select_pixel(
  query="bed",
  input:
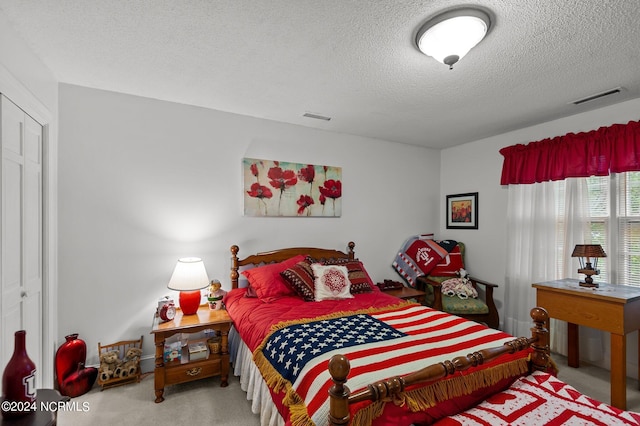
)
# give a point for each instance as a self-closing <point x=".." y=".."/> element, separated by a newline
<point x="309" y="352"/>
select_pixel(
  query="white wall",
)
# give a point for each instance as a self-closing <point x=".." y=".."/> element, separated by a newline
<point x="145" y="182"/>
<point x="31" y="85"/>
<point x="477" y="166"/>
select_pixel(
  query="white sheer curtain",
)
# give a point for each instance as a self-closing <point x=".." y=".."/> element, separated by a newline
<point x="531" y="239"/>
<point x="544" y="223"/>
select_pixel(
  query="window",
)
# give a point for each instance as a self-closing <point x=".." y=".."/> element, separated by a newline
<point x="627" y="267"/>
<point x="614" y="222"/>
<point x="598" y="214"/>
<point x="613" y="216"/>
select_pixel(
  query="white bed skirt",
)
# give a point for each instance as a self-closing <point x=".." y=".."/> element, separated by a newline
<point x="252" y="382"/>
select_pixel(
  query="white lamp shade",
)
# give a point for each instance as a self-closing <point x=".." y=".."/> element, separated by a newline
<point x="189" y="274"/>
<point x="452" y="36"/>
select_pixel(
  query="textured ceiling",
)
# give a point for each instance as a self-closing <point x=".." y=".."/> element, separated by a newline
<point x="352" y="60"/>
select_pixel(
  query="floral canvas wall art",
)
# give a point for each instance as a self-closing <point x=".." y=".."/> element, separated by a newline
<point x="279" y="188"/>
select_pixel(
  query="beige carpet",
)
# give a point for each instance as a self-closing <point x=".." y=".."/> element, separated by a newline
<point x="595" y="382"/>
<point x="202" y="402"/>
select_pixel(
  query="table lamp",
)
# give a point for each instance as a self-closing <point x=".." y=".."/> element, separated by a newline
<point x="585" y="252"/>
<point x="188" y="278"/>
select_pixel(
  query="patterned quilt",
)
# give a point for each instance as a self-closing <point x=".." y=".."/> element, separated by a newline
<point x="379" y="344"/>
<point x="419" y="256"/>
<point x="541" y="399"/>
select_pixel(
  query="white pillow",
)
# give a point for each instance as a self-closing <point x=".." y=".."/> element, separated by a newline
<point x="331" y="282"/>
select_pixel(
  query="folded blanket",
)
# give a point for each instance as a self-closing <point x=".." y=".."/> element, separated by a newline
<point x="418" y="256"/>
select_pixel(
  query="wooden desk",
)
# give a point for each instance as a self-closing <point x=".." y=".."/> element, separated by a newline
<point x="613" y="308"/>
<point x="184" y="370"/>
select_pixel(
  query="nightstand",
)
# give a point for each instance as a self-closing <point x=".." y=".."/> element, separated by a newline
<point x="183" y="369"/>
<point x="408" y="293"/>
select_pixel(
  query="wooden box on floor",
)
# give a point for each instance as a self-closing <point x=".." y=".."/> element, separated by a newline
<point x="122" y="347"/>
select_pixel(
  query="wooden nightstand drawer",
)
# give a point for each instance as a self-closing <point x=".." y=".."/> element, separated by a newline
<point x="193" y="371"/>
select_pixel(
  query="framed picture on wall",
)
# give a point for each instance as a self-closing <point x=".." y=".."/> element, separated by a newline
<point x="462" y="211"/>
<point x="280" y="188"/>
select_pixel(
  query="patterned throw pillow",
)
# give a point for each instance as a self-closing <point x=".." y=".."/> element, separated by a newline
<point x="358" y="276"/>
<point x="331" y="282"/>
<point x="300" y="278"/>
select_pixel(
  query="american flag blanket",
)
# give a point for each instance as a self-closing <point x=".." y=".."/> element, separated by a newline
<point x="419" y="256"/>
<point x="379" y="343"/>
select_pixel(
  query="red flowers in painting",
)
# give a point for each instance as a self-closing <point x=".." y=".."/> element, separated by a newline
<point x="461" y="211"/>
<point x="302" y="189"/>
<point x="259" y="191"/>
<point x="281" y="179"/>
<point x="331" y="189"/>
<point x="307" y="174"/>
<point x="304" y="202"/>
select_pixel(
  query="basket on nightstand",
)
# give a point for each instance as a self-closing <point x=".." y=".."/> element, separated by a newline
<point x="126" y="368"/>
<point x="214" y="345"/>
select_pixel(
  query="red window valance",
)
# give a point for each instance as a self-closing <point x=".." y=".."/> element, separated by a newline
<point x="612" y="149"/>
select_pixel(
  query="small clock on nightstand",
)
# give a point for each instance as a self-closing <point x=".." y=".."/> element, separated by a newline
<point x="166" y="309"/>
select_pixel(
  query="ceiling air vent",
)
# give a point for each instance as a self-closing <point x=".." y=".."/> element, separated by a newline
<point x="316" y="116"/>
<point x="597" y="96"/>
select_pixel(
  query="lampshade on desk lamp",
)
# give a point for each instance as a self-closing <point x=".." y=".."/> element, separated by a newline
<point x="585" y="252"/>
<point x="189" y="277"/>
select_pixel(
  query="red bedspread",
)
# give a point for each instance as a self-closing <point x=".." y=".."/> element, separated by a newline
<point x="420" y="337"/>
<point x="254" y="318"/>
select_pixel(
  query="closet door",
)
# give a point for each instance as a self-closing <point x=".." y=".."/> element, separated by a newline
<point x="21" y="263"/>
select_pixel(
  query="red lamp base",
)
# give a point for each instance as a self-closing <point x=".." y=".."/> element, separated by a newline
<point x="189" y="301"/>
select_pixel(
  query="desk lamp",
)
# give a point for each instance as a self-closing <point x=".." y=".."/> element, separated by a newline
<point x="188" y="278"/>
<point x="585" y="252"/>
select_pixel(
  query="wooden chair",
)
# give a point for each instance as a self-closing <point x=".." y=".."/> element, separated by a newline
<point x="481" y="310"/>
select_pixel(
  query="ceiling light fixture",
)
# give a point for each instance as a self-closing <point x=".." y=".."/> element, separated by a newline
<point x="450" y="35"/>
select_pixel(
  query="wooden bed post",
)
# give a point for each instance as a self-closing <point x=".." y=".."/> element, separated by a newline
<point x="540" y="358"/>
<point x="351" y="252"/>
<point x="234" y="266"/>
<point x="339" y="368"/>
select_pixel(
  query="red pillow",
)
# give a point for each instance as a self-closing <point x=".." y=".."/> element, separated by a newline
<point x="267" y="282"/>
<point x="250" y="292"/>
<point x="300" y="278"/>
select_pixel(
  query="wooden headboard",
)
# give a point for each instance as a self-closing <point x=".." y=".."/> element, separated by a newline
<point x="284" y="254"/>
